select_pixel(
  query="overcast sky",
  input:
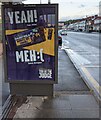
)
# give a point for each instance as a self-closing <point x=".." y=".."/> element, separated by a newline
<point x="72" y="9"/>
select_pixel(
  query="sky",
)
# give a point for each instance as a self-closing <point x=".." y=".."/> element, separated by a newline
<point x="72" y="9"/>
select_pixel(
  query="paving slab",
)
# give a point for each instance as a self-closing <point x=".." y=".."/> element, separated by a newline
<point x="68" y="77"/>
<point x="86" y="102"/>
<point x="86" y="114"/>
<point x="61" y="106"/>
<point x="4" y="88"/>
<point x="88" y="71"/>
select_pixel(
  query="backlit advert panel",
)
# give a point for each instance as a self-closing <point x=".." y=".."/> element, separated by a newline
<point x="30" y="42"/>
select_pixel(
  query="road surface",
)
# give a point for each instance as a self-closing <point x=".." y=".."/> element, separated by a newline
<point x="83" y="49"/>
<point x="87" y="46"/>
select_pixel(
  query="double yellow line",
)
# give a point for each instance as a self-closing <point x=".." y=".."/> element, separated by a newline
<point x="92" y="80"/>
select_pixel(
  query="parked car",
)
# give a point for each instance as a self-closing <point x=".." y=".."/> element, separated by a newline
<point x="63" y="32"/>
<point x="59" y="40"/>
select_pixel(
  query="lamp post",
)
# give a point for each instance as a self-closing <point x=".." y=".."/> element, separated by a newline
<point x="48" y="1"/>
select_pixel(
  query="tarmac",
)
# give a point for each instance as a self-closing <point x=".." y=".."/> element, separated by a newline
<point x="64" y="104"/>
<point x="90" y="73"/>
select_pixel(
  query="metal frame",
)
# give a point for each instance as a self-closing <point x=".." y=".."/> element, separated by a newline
<point x="56" y="46"/>
<point x="31" y="89"/>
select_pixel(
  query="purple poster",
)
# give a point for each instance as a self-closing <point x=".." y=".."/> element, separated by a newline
<point x="30" y="42"/>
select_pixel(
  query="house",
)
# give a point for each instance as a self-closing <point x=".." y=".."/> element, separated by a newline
<point x="61" y="24"/>
<point x="97" y="24"/>
<point x="77" y="26"/>
<point x="80" y="25"/>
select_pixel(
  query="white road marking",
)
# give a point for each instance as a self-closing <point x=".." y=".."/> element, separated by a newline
<point x="77" y="58"/>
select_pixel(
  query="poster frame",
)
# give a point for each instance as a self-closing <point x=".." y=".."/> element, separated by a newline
<point x="55" y="81"/>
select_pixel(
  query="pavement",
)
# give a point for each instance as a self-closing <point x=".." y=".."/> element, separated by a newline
<point x="4" y="87"/>
<point x="64" y="104"/>
<point x="1" y="49"/>
<point x="61" y="106"/>
<point x="66" y="79"/>
<point x="73" y="100"/>
<point x="83" y="50"/>
<point x="89" y="73"/>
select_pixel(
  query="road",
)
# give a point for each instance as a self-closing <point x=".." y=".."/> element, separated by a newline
<point x="83" y="49"/>
<point x="91" y="39"/>
<point x="85" y="45"/>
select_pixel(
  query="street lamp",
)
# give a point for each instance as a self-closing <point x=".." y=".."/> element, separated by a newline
<point x="48" y="1"/>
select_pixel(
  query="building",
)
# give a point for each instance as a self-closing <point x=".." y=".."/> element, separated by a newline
<point x="88" y="24"/>
<point x="77" y="26"/>
<point x="61" y="24"/>
<point x="80" y="25"/>
<point x="97" y="24"/>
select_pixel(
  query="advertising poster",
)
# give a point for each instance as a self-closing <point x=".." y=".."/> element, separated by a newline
<point x="30" y="42"/>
